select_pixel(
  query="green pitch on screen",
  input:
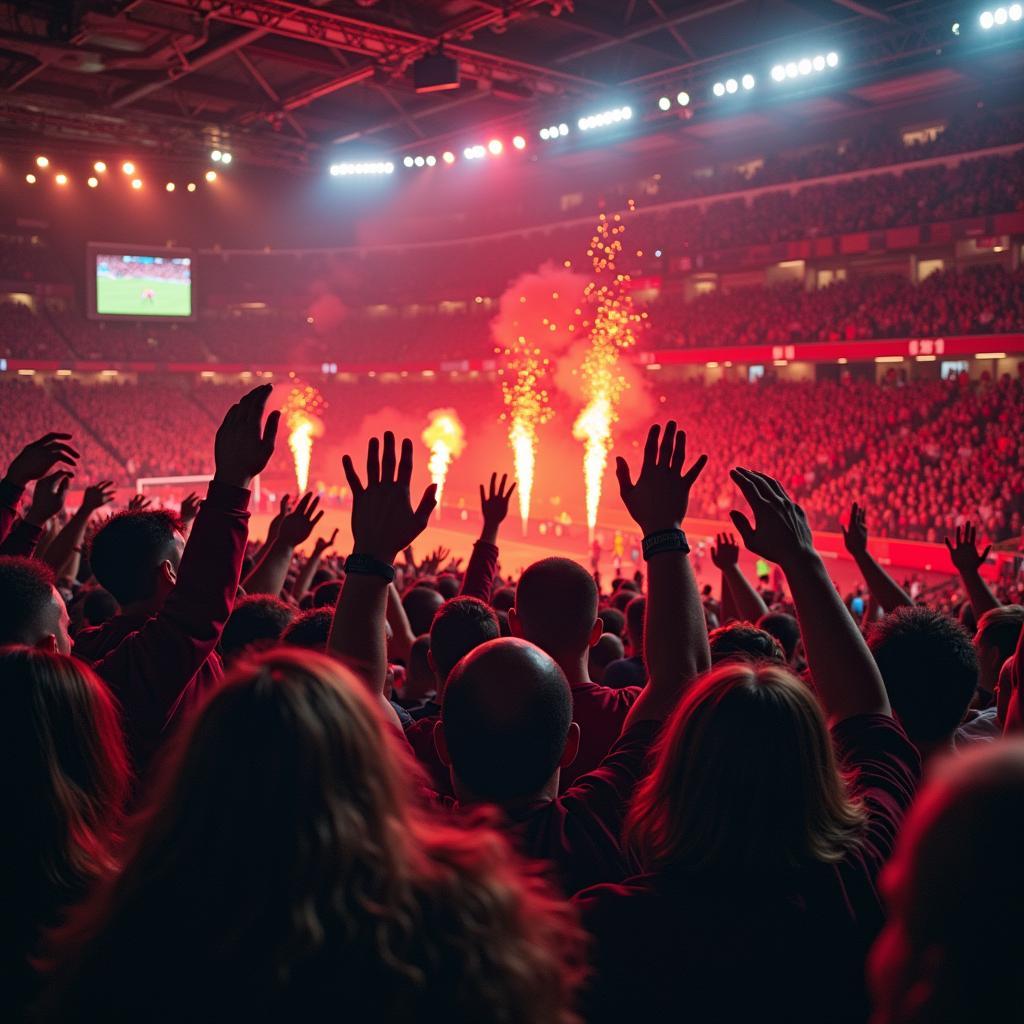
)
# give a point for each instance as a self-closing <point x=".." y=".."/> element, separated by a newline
<point x="128" y="297"/>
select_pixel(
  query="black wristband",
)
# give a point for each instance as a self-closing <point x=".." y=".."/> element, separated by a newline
<point x="665" y="540"/>
<point x="366" y="565"/>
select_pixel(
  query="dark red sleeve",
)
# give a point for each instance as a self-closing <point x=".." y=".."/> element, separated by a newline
<point x="151" y="667"/>
<point x="603" y="794"/>
<point x="22" y="540"/>
<point x="884" y="769"/>
<point x="10" y="496"/>
<point x="479" y="579"/>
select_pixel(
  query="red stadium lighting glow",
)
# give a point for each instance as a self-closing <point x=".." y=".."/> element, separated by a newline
<point x="448" y="156"/>
<point x="136" y="183"/>
<point x="211" y="176"/>
<point x="519" y="142"/>
<point x="128" y="167"/>
<point x="42" y="161"/>
<point x="495" y="147"/>
<point x="99" y="167"/>
<point x="61" y="179"/>
<point x="93" y="182"/>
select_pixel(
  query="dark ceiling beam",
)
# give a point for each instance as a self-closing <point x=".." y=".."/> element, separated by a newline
<point x="672" y="30"/>
<point x="269" y="91"/>
<point x="392" y="48"/>
<point x="650" y="27"/>
<point x="200" y="62"/>
<point x="868" y="12"/>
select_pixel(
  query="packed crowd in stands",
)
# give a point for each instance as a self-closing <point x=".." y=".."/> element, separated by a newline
<point x="988" y="299"/>
<point x="244" y="783"/>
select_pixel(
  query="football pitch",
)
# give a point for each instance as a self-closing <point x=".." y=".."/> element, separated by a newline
<point x="124" y="297"/>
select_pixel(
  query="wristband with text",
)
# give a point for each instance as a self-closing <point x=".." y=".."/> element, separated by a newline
<point x="365" y="565"/>
<point x="665" y="540"/>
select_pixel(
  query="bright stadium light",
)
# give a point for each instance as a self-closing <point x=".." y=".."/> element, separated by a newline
<point x="601" y="120"/>
<point x="92" y="182"/>
<point x="563" y="129"/>
<point x="805" y="66"/>
<point x="169" y="186"/>
<point x="495" y="147"/>
<point x="731" y="86"/>
<point x="519" y="142"/>
<point x="431" y="160"/>
<point x="1000" y="15"/>
<point x="778" y="73"/>
<point x="545" y="134"/>
<point x="61" y="179"/>
<point x="407" y="161"/>
<point x="136" y="183"/>
<point x="226" y="158"/>
<point x="664" y="103"/>
<point x="99" y="167"/>
<point x="748" y="82"/>
<point x="128" y="167"/>
<point x="792" y="70"/>
<point x="832" y="59"/>
<point x="683" y="98"/>
<point x="1016" y="12"/>
<point x="419" y="161"/>
<point x="818" y="63"/>
<point x="448" y="156"/>
<point x="42" y="161"/>
<point x="718" y="88"/>
<point x="30" y="178"/>
<point x="191" y="186"/>
<point x="211" y="176"/>
<point x="216" y="156"/>
<point x="344" y="170"/>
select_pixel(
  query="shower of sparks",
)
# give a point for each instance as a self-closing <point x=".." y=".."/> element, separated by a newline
<point x="613" y="325"/>
<point x="526" y="409"/>
<point x="301" y="413"/>
<point x="446" y="439"/>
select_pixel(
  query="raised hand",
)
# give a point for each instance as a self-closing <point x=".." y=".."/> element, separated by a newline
<point x="855" y="535"/>
<point x="138" y="503"/>
<point x="298" y="524"/>
<point x="430" y="564"/>
<point x="964" y="550"/>
<point x="383" y="519"/>
<point x="725" y="552"/>
<point x="780" y="533"/>
<point x="494" y="504"/>
<point x="96" y="496"/>
<point x="190" y="505"/>
<point x="48" y="497"/>
<point x="322" y="544"/>
<point x="659" y="498"/>
<point x="243" y="445"/>
<point x="35" y="460"/>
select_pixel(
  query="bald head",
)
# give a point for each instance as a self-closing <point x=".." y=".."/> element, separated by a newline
<point x="506" y="715"/>
<point x="421" y="605"/>
<point x="556" y="607"/>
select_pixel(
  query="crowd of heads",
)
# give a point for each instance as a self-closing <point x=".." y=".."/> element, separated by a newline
<point x="248" y="778"/>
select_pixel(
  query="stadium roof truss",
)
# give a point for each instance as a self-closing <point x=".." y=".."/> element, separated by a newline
<point x="293" y="85"/>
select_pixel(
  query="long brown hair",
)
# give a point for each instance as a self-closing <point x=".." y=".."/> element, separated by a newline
<point x="286" y="867"/>
<point x="744" y="778"/>
<point x="64" y="782"/>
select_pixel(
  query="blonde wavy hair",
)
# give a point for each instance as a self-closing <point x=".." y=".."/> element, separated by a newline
<point x="288" y="865"/>
<point x="744" y="777"/>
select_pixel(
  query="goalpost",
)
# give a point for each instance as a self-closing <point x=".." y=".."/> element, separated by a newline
<point x="177" y="487"/>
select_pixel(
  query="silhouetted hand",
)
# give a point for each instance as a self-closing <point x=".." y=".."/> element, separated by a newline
<point x="299" y="524"/>
<point x="383" y="519"/>
<point x="855" y="535"/>
<point x="48" y="497"/>
<point x="780" y="533"/>
<point x="964" y="551"/>
<point x="322" y="544"/>
<point x="661" y="494"/>
<point x="35" y="460"/>
<point x="430" y="564"/>
<point x="138" y="503"/>
<point x="494" y="503"/>
<point x="190" y="506"/>
<point x="96" y="496"/>
<point x="243" y="445"/>
<point x="725" y="552"/>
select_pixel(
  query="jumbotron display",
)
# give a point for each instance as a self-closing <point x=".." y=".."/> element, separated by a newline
<point x="140" y="284"/>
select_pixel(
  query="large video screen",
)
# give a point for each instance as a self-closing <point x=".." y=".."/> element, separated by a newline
<point x="127" y="282"/>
